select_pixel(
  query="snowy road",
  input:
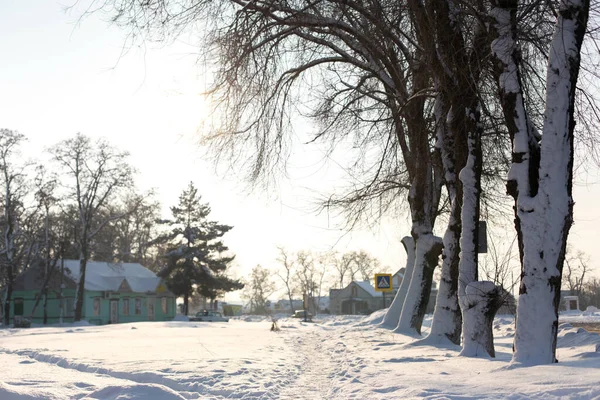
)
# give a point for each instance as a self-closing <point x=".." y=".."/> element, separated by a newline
<point x="313" y="380"/>
<point x="329" y="368"/>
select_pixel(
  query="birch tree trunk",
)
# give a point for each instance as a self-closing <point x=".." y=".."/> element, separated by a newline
<point x="392" y="316"/>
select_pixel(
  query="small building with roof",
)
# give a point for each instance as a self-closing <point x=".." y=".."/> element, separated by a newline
<point x="114" y="293"/>
<point x="360" y="297"/>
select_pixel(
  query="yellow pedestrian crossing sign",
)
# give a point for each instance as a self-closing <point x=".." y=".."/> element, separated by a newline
<point x="383" y="282"/>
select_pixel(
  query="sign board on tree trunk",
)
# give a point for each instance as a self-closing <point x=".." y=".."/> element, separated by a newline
<point x="482" y="237"/>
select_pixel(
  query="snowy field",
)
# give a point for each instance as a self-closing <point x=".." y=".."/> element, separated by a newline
<point x="334" y="358"/>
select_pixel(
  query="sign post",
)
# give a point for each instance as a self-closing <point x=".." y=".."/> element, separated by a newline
<point x="383" y="284"/>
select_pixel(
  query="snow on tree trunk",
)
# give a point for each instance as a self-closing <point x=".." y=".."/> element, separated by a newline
<point x="392" y="316"/>
<point x="447" y="318"/>
<point x="547" y="217"/>
<point x="483" y="300"/>
<point x="478" y="303"/>
<point x="427" y="251"/>
<point x="523" y="174"/>
<point x="470" y="178"/>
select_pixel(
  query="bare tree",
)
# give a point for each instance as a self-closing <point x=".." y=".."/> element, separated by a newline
<point x="306" y="276"/>
<point x="369" y="83"/>
<point x="288" y="274"/>
<point x="45" y="185"/>
<point x="365" y="85"/>
<point x="576" y="268"/>
<point x="342" y="265"/>
<point x="321" y="275"/>
<point x="12" y="179"/>
<point x="367" y="264"/>
<point x="590" y="295"/>
<point x="258" y="289"/>
<point x="94" y="174"/>
<point x="499" y="264"/>
<point x="129" y="239"/>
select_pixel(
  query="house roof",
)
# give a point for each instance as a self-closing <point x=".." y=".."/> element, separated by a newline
<point x="104" y="276"/>
<point x="400" y="272"/>
<point x="367" y="287"/>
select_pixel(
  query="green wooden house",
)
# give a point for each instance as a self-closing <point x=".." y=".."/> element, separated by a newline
<point x="114" y="293"/>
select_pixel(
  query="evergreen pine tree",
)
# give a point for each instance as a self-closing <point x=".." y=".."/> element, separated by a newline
<point x="196" y="257"/>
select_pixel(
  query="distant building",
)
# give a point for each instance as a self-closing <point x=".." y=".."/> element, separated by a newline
<point x="284" y="306"/>
<point x="114" y="292"/>
<point x="569" y="301"/>
<point x="360" y="297"/>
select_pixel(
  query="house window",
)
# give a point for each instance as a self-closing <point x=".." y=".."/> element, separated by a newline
<point x="125" y="306"/>
<point x="354" y="291"/>
<point x="163" y="304"/>
<point x="18" y="306"/>
<point x="96" y="306"/>
<point x="138" y="306"/>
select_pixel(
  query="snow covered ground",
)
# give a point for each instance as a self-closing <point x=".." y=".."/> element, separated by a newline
<point x="334" y="358"/>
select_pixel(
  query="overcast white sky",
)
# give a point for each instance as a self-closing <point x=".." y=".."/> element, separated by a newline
<point x="58" y="77"/>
